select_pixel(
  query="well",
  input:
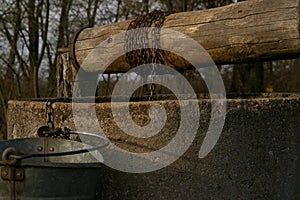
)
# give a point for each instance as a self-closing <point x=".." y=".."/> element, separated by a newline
<point x="256" y="157"/>
<point x="257" y="154"/>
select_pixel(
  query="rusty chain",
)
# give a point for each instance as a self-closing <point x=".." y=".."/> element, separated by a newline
<point x="50" y="114"/>
<point x="140" y="38"/>
<point x="49" y="130"/>
<point x="144" y="26"/>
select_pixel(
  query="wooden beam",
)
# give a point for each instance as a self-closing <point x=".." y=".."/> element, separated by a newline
<point x="249" y="31"/>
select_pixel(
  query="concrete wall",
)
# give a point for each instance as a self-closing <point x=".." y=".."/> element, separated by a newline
<point x="256" y="157"/>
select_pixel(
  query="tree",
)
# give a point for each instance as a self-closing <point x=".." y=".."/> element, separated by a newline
<point x="248" y="78"/>
<point x="10" y="25"/>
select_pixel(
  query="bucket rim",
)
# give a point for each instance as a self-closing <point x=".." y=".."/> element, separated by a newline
<point x="35" y="157"/>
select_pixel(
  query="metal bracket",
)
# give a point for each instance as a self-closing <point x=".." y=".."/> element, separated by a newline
<point x="12" y="173"/>
<point x="71" y="47"/>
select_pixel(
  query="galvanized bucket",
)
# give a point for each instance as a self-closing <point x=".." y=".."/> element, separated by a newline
<point x="48" y="168"/>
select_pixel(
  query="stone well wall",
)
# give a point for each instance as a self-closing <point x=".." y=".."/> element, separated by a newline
<point x="256" y="157"/>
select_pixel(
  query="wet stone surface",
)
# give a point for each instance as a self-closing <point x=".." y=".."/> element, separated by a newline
<point x="256" y="157"/>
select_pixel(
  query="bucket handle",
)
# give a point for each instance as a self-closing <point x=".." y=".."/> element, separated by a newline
<point x="10" y="155"/>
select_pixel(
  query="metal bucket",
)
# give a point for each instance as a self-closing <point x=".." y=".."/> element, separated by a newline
<point x="48" y="168"/>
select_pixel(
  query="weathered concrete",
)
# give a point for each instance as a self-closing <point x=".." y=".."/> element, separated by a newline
<point x="257" y="156"/>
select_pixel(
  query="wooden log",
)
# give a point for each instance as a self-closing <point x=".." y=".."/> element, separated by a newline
<point x="250" y="31"/>
<point x="65" y="74"/>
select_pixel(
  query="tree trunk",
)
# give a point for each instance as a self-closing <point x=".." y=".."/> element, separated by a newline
<point x="248" y="78"/>
<point x="92" y="11"/>
<point x="33" y="32"/>
<point x="146" y="6"/>
<point x="118" y="11"/>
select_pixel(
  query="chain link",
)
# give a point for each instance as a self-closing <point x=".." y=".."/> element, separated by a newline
<point x="49" y="130"/>
<point x="50" y="114"/>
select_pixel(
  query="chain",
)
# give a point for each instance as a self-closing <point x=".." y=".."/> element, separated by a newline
<point x="49" y="130"/>
<point x="50" y="114"/>
<point x="139" y="39"/>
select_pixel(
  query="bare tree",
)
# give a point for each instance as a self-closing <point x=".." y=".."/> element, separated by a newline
<point x="38" y="23"/>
